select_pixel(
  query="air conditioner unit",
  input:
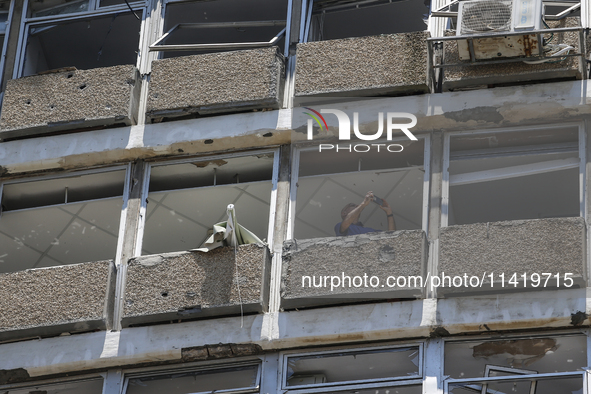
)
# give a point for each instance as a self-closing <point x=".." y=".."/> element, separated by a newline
<point x="483" y="17"/>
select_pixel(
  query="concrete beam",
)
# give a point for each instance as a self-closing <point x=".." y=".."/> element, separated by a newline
<point x="314" y="327"/>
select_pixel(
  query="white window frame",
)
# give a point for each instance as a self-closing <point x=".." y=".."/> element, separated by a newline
<point x="295" y="169"/>
<point x="155" y="46"/>
<point x="3" y="54"/>
<point x="125" y="197"/>
<point x="198" y="367"/>
<point x="146" y="186"/>
<point x="448" y="381"/>
<point x="507" y="171"/>
<point x="350" y="385"/>
<point x="94" y="12"/>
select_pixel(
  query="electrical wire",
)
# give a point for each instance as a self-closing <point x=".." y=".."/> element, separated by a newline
<point x="132" y="11"/>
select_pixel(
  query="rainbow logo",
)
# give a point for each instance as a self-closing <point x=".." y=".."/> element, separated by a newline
<point x="316" y="118"/>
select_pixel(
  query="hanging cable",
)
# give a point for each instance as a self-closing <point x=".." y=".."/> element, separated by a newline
<point x="132" y="11"/>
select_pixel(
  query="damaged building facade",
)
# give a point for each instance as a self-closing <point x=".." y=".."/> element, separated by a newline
<point x="127" y="128"/>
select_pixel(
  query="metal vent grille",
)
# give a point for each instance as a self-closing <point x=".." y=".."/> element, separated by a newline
<point x="483" y="16"/>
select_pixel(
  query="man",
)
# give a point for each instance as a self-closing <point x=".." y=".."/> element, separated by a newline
<point x="350" y="215"/>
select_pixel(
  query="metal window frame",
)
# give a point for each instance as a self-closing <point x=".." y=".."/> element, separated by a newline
<point x="353" y="384"/>
<point x="55" y="381"/>
<point x="197" y="367"/>
<point x="146" y="186"/>
<point x="124" y="204"/>
<point x="534" y="378"/>
<point x="161" y="35"/>
<point x="157" y="46"/>
<point x="308" y="146"/>
<point x="4" y="48"/>
<point x="28" y="23"/>
<point x="446" y="182"/>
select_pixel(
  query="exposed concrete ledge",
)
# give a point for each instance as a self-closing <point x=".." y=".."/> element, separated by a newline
<point x="49" y="301"/>
<point x="364" y="66"/>
<point x="188" y="285"/>
<point x="472" y="75"/>
<point x="522" y="246"/>
<point x="384" y="254"/>
<point x="297" y="329"/>
<point x="216" y="82"/>
<point x="77" y="99"/>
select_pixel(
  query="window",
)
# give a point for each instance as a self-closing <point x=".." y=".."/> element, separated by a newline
<point x="326" y="181"/>
<point x="90" y="386"/>
<point x="509" y="175"/>
<point x="333" y="19"/>
<point x="84" y="34"/>
<point x="64" y="220"/>
<point x="239" y="379"/>
<point x="544" y="365"/>
<point x="205" y="26"/>
<point x="186" y="199"/>
<point x="373" y="370"/>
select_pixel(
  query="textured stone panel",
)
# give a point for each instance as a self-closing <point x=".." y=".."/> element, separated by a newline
<point x="471" y="75"/>
<point x="68" y="100"/>
<point x="369" y="66"/>
<point x="49" y="301"/>
<point x="216" y="82"/>
<point x="186" y="285"/>
<point x="376" y="254"/>
<point x="521" y="246"/>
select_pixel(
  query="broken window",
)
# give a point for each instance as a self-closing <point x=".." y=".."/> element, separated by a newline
<point x="326" y="181"/>
<point x="90" y="386"/>
<point x="333" y="19"/>
<point x="240" y="379"/>
<point x="544" y="365"/>
<point x="186" y="199"/>
<point x="207" y="26"/>
<point x="59" y="221"/>
<point x="389" y="370"/>
<point x="96" y="38"/>
<point x="506" y="175"/>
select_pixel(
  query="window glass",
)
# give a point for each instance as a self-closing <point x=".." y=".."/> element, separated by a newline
<point x="506" y="176"/>
<point x="353" y="366"/>
<point x="333" y="19"/>
<point x="186" y="200"/>
<point x="222" y="11"/>
<point x="567" y="384"/>
<point x="329" y="180"/>
<point x="41" y="227"/>
<point x="208" y="381"/>
<point x="542" y="355"/>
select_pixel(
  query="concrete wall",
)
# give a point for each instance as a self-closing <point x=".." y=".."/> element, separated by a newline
<point x="50" y="301"/>
<point x="188" y="285"/>
<point x="68" y="100"/>
<point x="519" y="246"/>
<point x="365" y="66"/>
<point x="380" y="254"/>
<point x="473" y="75"/>
<point x="216" y="82"/>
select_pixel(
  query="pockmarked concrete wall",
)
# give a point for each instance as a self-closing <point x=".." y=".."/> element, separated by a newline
<point x="384" y="254"/>
<point x="472" y="75"/>
<point x="216" y="82"/>
<point x="538" y="246"/>
<point x="188" y="285"/>
<point x="372" y="65"/>
<point x="68" y="100"/>
<point x="50" y="301"/>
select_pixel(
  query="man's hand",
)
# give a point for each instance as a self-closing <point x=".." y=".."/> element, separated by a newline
<point x="386" y="207"/>
<point x="368" y="198"/>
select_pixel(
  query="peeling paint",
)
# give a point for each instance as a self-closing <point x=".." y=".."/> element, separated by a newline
<point x="480" y="114"/>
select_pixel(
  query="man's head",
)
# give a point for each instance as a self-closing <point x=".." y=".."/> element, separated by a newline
<point x="347" y="209"/>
